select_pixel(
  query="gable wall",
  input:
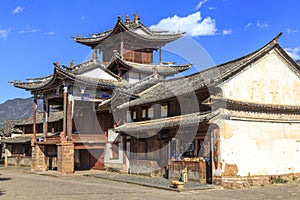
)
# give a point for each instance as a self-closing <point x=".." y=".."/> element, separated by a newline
<point x="269" y="81"/>
<point x="98" y="73"/>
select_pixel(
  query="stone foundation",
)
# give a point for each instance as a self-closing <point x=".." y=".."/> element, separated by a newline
<point x="239" y="182"/>
<point x="116" y="167"/>
<point x="38" y="158"/>
<point x="65" y="157"/>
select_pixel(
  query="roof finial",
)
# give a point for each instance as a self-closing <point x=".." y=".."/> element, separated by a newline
<point x="57" y="64"/>
<point x="119" y="18"/>
<point x="127" y="19"/>
<point x="136" y="17"/>
<point x="72" y="64"/>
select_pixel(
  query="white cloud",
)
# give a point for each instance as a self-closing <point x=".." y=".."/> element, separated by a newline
<point x="28" y="29"/>
<point x="248" y="25"/>
<point x="261" y="25"/>
<point x="50" y="33"/>
<point x="200" y="4"/>
<point x="289" y="31"/>
<point x="211" y="8"/>
<point x="227" y="32"/>
<point x="193" y="24"/>
<point x="293" y="52"/>
<point x="4" y="33"/>
<point x="18" y="9"/>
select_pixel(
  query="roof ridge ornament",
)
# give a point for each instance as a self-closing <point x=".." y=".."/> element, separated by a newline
<point x="127" y="19"/>
<point x="275" y="40"/>
<point x="136" y="17"/>
<point x="119" y="18"/>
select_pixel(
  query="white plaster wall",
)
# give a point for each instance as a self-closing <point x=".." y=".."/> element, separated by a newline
<point x="98" y="73"/>
<point x="112" y="136"/>
<point x="260" y="148"/>
<point x="268" y="80"/>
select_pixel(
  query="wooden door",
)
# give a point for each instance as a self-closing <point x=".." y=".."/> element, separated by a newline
<point x="91" y="159"/>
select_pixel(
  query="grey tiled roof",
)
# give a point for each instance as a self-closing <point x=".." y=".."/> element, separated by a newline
<point x="206" y="78"/>
<point x="164" y="123"/>
<point x="134" y="28"/>
<point x="16" y="140"/>
<point x="74" y="73"/>
<point x="143" y="84"/>
<point x="53" y="116"/>
<point x="148" y="68"/>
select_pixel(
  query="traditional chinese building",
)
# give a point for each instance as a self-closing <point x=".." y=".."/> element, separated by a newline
<point x="121" y="56"/>
<point x="17" y="142"/>
<point x="237" y="122"/>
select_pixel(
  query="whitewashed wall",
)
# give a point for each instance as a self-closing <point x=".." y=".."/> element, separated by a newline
<point x="257" y="147"/>
<point x="98" y="73"/>
<point x="260" y="148"/>
<point x="114" y="163"/>
<point x="269" y="80"/>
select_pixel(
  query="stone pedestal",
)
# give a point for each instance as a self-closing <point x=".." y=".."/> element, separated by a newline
<point x="38" y="158"/>
<point x="65" y="157"/>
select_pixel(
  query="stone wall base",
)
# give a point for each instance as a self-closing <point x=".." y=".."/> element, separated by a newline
<point x="65" y="158"/>
<point x="116" y="166"/>
<point x="247" y="181"/>
<point x="38" y="158"/>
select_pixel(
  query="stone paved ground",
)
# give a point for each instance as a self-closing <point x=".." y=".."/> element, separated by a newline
<point x="156" y="182"/>
<point x="15" y="184"/>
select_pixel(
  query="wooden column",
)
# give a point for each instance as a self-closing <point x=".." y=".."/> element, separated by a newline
<point x="121" y="48"/>
<point x="34" y="121"/>
<point x="46" y="117"/>
<point x="64" y="132"/>
<point x="70" y="118"/>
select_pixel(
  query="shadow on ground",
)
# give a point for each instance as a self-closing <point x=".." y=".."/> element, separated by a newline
<point x="3" y="179"/>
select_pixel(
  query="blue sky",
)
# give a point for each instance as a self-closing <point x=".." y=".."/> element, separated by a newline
<point x="36" y="33"/>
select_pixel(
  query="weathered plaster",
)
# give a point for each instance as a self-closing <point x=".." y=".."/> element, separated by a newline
<point x="269" y="80"/>
<point x="261" y="148"/>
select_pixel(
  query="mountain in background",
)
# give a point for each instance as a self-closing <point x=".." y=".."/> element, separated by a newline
<point x="16" y="109"/>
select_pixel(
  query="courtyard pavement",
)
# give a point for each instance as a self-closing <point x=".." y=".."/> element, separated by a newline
<point x="19" y="183"/>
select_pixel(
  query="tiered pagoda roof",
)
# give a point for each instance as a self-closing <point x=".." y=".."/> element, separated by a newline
<point x="135" y="29"/>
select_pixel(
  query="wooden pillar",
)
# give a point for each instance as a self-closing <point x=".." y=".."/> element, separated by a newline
<point x="34" y="121"/>
<point x="46" y="117"/>
<point x="121" y="48"/>
<point x="70" y="118"/>
<point x="64" y="132"/>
